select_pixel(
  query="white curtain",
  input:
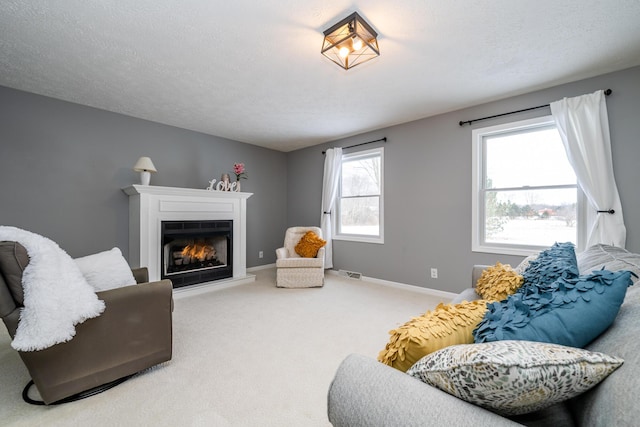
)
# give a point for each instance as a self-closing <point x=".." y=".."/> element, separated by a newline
<point x="583" y="124"/>
<point x="332" y="165"/>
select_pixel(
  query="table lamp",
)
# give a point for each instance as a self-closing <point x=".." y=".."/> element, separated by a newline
<point x="145" y="166"/>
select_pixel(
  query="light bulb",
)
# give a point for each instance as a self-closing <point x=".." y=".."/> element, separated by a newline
<point x="344" y="52"/>
<point x="357" y="44"/>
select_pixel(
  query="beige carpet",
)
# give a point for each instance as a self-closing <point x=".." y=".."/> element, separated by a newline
<point x="249" y="355"/>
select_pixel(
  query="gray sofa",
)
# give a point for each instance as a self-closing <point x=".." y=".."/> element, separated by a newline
<point x="365" y="392"/>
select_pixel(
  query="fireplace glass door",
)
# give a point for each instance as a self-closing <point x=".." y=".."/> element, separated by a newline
<point x="196" y="251"/>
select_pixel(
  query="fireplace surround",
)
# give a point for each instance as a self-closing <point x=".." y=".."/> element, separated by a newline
<point x="165" y="220"/>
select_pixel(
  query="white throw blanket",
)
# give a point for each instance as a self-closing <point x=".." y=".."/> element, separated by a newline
<point x="56" y="295"/>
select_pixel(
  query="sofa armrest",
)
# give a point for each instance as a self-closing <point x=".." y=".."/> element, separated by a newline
<point x="476" y="273"/>
<point x="366" y="393"/>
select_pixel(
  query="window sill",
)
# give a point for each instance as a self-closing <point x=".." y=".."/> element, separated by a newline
<point x="359" y="239"/>
<point x="505" y="250"/>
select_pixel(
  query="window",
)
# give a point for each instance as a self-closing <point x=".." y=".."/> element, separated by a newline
<point x="525" y="191"/>
<point x="360" y="202"/>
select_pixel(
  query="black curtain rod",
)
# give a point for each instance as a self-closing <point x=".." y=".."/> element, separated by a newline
<point x="462" y="123"/>
<point x="363" y="143"/>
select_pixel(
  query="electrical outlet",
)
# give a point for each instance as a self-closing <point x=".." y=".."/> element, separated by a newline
<point x="434" y="273"/>
<point x="260" y="254"/>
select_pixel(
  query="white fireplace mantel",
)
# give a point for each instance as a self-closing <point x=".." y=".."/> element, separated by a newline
<point x="150" y="205"/>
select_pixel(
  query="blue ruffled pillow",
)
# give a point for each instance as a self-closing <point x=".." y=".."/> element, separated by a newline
<point x="569" y="311"/>
<point x="553" y="263"/>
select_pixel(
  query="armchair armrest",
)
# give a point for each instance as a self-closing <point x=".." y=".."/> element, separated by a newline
<point x="281" y="253"/>
<point x="140" y="274"/>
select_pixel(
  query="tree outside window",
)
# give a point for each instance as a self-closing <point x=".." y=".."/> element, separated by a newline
<point x="526" y="195"/>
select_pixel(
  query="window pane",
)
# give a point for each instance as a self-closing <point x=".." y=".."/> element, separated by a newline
<point x="360" y="215"/>
<point x="531" y="217"/>
<point x="361" y="177"/>
<point x="530" y="158"/>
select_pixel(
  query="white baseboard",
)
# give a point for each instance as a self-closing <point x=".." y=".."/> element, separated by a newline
<point x="433" y="292"/>
<point x="216" y="285"/>
<point x="261" y="267"/>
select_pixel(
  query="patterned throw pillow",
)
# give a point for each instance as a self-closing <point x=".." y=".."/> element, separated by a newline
<point x="514" y="377"/>
<point x="524" y="264"/>
<point x="309" y="245"/>
<point x="498" y="282"/>
<point x="447" y="325"/>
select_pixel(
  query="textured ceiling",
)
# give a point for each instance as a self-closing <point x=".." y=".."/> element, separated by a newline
<point x="251" y="70"/>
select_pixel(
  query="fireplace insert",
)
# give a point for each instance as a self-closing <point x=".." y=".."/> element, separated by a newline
<point x="196" y="251"/>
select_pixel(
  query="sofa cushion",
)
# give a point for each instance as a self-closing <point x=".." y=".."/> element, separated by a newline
<point x="607" y="257"/>
<point x="615" y="401"/>
<point x="106" y="270"/>
<point x="468" y="294"/>
<point x="309" y="245"/>
<point x="514" y="377"/>
<point x="300" y="262"/>
<point x="446" y="325"/>
<point x="498" y="282"/>
<point x="557" y="415"/>
<point x="568" y="312"/>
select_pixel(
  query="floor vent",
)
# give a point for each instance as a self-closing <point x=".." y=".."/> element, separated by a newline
<point x="351" y="274"/>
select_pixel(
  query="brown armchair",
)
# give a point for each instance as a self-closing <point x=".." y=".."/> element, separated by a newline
<point x="132" y="334"/>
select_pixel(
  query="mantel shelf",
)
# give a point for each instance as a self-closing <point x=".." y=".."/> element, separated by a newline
<point x="136" y="189"/>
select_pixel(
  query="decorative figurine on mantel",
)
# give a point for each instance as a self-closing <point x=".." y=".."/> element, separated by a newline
<point x="225" y="180"/>
<point x="224" y="184"/>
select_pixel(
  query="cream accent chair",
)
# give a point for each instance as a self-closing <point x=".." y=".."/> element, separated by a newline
<point x="293" y="271"/>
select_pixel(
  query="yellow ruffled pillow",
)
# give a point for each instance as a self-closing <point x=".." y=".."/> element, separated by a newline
<point x="498" y="282"/>
<point x="447" y="325"/>
<point x="309" y="245"/>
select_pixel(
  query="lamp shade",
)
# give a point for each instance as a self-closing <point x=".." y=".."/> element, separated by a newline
<point x="350" y="42"/>
<point x="144" y="164"/>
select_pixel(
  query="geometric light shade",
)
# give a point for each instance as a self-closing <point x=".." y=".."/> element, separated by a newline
<point x="350" y="42"/>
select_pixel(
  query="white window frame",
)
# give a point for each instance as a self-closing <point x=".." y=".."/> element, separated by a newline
<point x="477" y="208"/>
<point x="338" y="235"/>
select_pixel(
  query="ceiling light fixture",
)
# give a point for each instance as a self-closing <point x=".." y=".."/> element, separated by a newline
<point x="350" y="42"/>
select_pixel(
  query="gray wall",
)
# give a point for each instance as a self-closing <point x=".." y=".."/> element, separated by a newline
<point x="62" y="167"/>
<point x="428" y="185"/>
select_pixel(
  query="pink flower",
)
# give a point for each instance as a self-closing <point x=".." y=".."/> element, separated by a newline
<point x="238" y="169"/>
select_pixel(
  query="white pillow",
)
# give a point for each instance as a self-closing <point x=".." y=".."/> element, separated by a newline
<point x="106" y="270"/>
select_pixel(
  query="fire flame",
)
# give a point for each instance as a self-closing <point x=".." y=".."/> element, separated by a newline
<point x="199" y="251"/>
